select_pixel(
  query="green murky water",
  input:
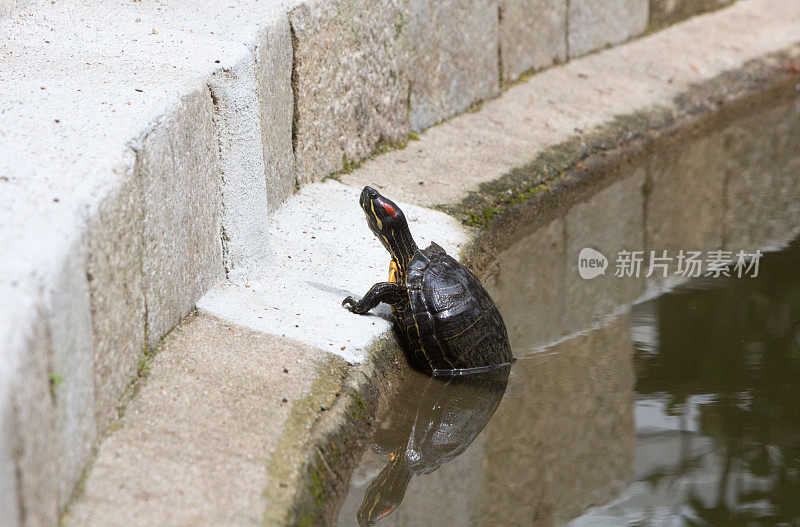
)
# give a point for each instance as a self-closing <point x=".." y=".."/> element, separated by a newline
<point x="636" y="400"/>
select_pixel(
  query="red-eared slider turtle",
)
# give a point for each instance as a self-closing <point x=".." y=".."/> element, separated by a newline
<point x="446" y="317"/>
<point x="428" y="425"/>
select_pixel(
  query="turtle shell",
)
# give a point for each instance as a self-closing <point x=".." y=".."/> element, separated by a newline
<point x="451" y="324"/>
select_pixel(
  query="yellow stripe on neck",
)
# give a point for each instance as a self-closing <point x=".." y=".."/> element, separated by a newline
<point x="375" y="215"/>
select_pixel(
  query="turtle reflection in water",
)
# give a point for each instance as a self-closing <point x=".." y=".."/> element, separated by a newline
<point x="428" y="429"/>
<point x="448" y="321"/>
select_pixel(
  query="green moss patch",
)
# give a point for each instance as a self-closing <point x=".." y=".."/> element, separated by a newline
<point x="310" y="467"/>
<point x="349" y="165"/>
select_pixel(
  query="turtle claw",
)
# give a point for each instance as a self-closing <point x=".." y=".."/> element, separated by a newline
<point x="349" y="303"/>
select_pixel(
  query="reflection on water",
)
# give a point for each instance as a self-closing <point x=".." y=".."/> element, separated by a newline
<point x="718" y="403"/>
<point x="431" y="421"/>
<point x="683" y="409"/>
<point x="560" y="440"/>
<point x="563" y="437"/>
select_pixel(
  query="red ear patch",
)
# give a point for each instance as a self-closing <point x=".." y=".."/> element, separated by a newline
<point x="389" y="209"/>
<point x="386" y="512"/>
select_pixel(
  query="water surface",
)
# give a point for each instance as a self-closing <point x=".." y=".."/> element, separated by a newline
<point x="636" y="400"/>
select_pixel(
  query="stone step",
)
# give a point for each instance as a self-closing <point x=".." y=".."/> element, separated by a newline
<point x="193" y="445"/>
<point x="110" y="214"/>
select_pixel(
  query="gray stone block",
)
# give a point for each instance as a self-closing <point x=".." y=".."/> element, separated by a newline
<point x="9" y="497"/>
<point x="665" y="12"/>
<point x="13" y="311"/>
<point x="46" y="374"/>
<point x="533" y="35"/>
<point x="70" y="363"/>
<point x="243" y="181"/>
<point x="29" y="460"/>
<point x="365" y="72"/>
<point x="594" y="24"/>
<point x="276" y="103"/>
<point x="350" y="84"/>
<point x="179" y="173"/>
<point x="117" y="294"/>
<point x="453" y="56"/>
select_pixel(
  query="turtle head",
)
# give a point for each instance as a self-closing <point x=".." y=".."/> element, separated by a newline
<point x="386" y="491"/>
<point x="388" y="223"/>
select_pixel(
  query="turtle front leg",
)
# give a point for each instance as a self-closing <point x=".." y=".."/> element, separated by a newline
<point x="389" y="292"/>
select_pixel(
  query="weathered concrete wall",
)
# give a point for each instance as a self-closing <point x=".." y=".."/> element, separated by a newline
<point x="114" y="275"/>
<point x="110" y="216"/>
<point x="253" y="105"/>
<point x="70" y="369"/>
<point x="154" y="245"/>
<point x="178" y="171"/>
<point x="453" y="57"/>
<point x="243" y="177"/>
<point x="365" y="73"/>
<point x="274" y="62"/>
<point x="30" y="461"/>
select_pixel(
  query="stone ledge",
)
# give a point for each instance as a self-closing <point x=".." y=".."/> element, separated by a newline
<point x="323" y="252"/>
<point x="193" y="443"/>
<point x="313" y="441"/>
